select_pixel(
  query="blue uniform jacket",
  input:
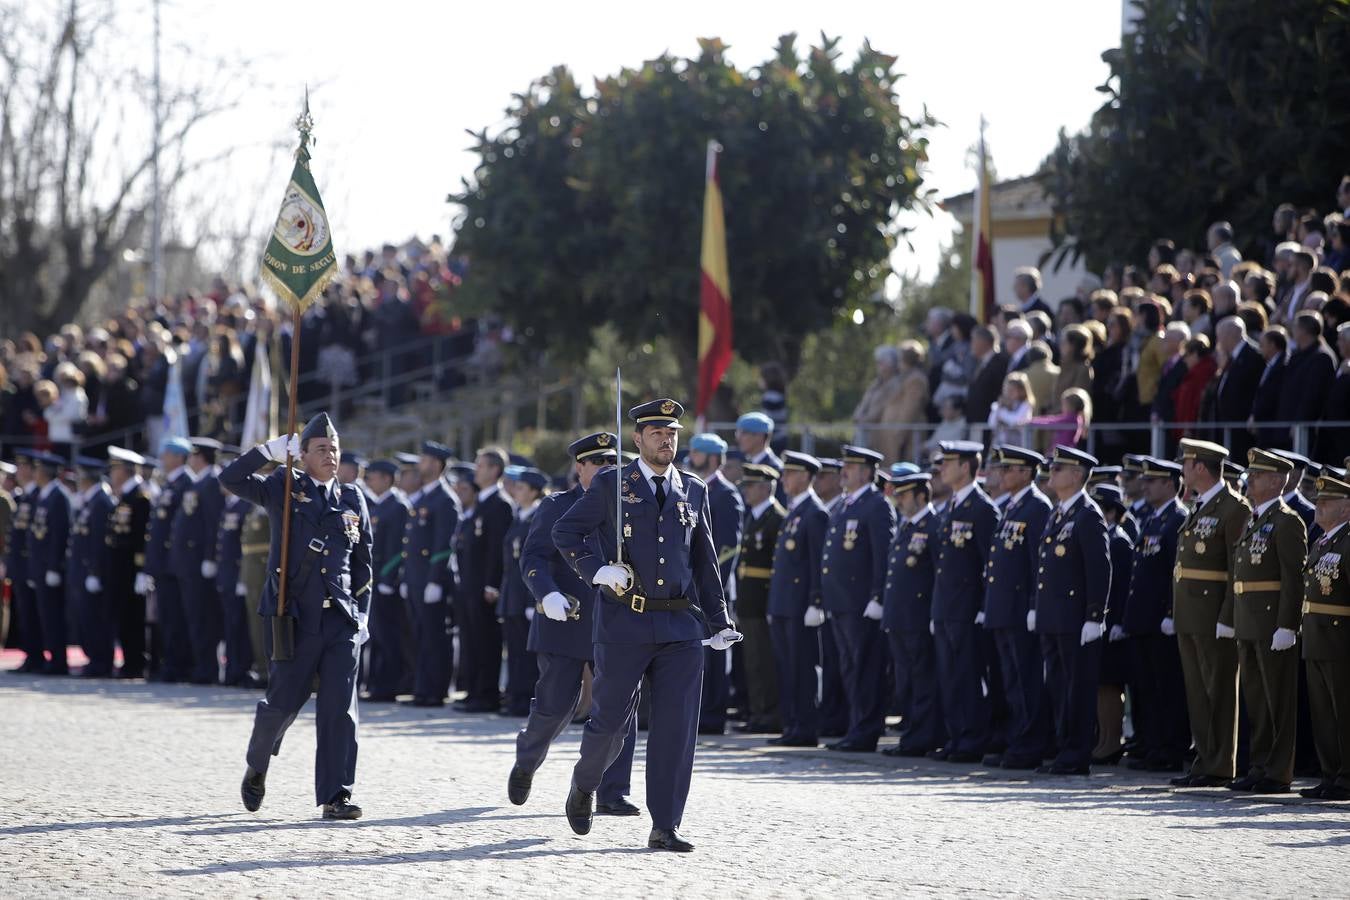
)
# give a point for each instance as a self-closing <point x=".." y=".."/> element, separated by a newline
<point x="88" y="537"/>
<point x="389" y="523"/>
<point x="728" y="515"/>
<point x="1122" y="561"/>
<point x="961" y="550"/>
<point x="545" y="572"/>
<point x="48" y="534"/>
<point x="1074" y="577"/>
<point x="515" y="596"/>
<point x="853" y="564"/>
<point x="1010" y="573"/>
<point x="329" y="554"/>
<point x="1149" y="600"/>
<point x="16" y="552"/>
<point x="427" y="544"/>
<point x="230" y="545"/>
<point x="479" y="543"/>
<point x="909" y="575"/>
<point x="195" y="525"/>
<point x="670" y="548"/>
<point x="795" y="584"/>
<point x="158" y="535"/>
<point x="1300" y="504"/>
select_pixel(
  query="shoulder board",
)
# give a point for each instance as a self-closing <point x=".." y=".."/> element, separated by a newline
<point x="690" y="476"/>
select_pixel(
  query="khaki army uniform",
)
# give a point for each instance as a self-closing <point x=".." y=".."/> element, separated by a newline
<point x="1267" y="582"/>
<point x="254" y="540"/>
<point x="753" y="572"/>
<point x="1201" y="589"/>
<point x="1326" y="652"/>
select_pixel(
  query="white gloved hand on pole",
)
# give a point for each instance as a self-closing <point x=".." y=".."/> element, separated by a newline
<point x="555" y="606"/>
<point x="723" y="639"/>
<point x="144" y="584"/>
<point x="616" y="578"/>
<point x="277" y="447"/>
<point x="1092" y="631"/>
<point x="815" y="617"/>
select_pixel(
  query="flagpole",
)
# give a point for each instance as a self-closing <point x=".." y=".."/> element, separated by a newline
<point x="976" y="224"/>
<point x="286" y="501"/>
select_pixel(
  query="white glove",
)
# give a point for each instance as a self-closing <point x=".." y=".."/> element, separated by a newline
<point x="529" y="614"/>
<point x="613" y="577"/>
<point x="1092" y="631"/>
<point x="386" y="590"/>
<point x="362" y="629"/>
<point x="53" y="578"/>
<point x="208" y="568"/>
<point x="276" y="449"/>
<point x="1031" y="620"/>
<point x="874" y="611"/>
<point x="1285" y="638"/>
<point x="979" y="617"/>
<point x="724" y="639"/>
<point x="932" y="628"/>
<point x="1118" y="633"/>
<point x="815" y="617"/>
<point x="241" y="590"/>
<point x="1224" y="631"/>
<point x="403" y="591"/>
<point x="433" y="593"/>
<point x="144" y="583"/>
<point x="555" y="606"/>
<point x="1167" y="627"/>
<point x="92" y="584"/>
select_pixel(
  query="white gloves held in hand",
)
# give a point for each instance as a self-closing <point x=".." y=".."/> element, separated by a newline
<point x="874" y="611"/>
<point x="208" y="568"/>
<point x="276" y="449"/>
<point x="724" y="639"/>
<point x="1285" y="638"/>
<point x="555" y="606"/>
<point x="616" y="578"/>
<point x="433" y="593"/>
<point x="92" y="584"/>
<point x="815" y="617"/>
<point x="1092" y="631"/>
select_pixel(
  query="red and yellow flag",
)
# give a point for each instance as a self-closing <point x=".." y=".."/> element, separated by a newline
<point x="982" y="244"/>
<point x="714" y="312"/>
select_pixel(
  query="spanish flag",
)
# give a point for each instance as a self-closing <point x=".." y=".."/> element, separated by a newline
<point x="714" y="314"/>
<point x="982" y="245"/>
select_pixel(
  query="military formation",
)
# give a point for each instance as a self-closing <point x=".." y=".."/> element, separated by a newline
<point x="1187" y="617"/>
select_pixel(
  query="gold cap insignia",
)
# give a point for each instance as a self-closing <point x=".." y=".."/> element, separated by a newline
<point x="668" y="408"/>
<point x="602" y="439"/>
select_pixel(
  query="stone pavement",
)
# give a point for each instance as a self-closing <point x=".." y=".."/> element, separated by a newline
<point x="112" y="789"/>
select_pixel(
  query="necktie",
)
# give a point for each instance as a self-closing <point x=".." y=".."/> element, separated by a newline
<point x="660" y="490"/>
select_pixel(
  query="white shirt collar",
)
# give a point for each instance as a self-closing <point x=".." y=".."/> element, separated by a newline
<point x="758" y="509"/>
<point x="761" y="456"/>
<point x="169" y="478"/>
<point x="1020" y="494"/>
<point x="960" y="496"/>
<point x="919" y="516"/>
<point x="1289" y="497"/>
<point x="198" y="476"/>
<point x="799" y="498"/>
<point x="858" y="493"/>
<point x="529" y="511"/>
<point x="325" y="486"/>
<point x="1260" y="510"/>
<point x="1210" y="494"/>
<point x="1332" y="533"/>
<point x="132" y="483"/>
<point x="672" y="476"/>
<point x="46" y="489"/>
<point x="379" y="498"/>
<point x="488" y="492"/>
<point x="1066" y="505"/>
<point x="89" y="493"/>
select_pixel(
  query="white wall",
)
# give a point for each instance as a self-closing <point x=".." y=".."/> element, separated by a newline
<point x="1012" y="253"/>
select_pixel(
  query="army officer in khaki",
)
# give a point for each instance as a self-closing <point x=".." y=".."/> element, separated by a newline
<point x="1326" y="638"/>
<point x="1209" y="663"/>
<point x="1263" y="610"/>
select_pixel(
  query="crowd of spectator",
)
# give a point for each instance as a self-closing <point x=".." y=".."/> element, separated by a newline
<point x="1214" y="345"/>
<point x="110" y="383"/>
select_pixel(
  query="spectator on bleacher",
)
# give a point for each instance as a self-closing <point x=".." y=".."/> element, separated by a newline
<point x="1301" y="266"/>
<point x="1220" y="240"/>
<point x="1195" y="309"/>
<point x="1027" y="289"/>
<point x="67" y="411"/>
<point x="1200" y="368"/>
<point x="958" y="363"/>
<point x="1236" y="389"/>
<point x="1043" y="374"/>
<point x="1335" y="442"/>
<point x="1308" y="373"/>
<point x="986" y="381"/>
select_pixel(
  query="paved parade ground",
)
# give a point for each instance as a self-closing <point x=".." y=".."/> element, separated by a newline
<point x="129" y="789"/>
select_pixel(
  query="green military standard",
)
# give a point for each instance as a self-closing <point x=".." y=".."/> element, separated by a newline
<point x="1326" y="639"/>
<point x="255" y="537"/>
<point x="1201" y="589"/>
<point x="1264" y="610"/>
<point x="763" y="518"/>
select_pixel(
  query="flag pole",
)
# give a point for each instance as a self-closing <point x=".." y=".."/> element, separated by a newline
<point x="286" y="644"/>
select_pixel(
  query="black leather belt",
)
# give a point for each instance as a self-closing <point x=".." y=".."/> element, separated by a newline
<point x="638" y="603"/>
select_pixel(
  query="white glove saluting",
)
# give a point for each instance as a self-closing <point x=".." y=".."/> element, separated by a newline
<point x="208" y="568"/>
<point x="615" y="578"/>
<point x="874" y="611"/>
<point x="92" y="584"/>
<point x="815" y="617"/>
<point x="1092" y="631"/>
<point x="1285" y="638"/>
<point x="555" y="606"/>
<point x="277" y="447"/>
<point x="724" y="639"/>
<point x="433" y="593"/>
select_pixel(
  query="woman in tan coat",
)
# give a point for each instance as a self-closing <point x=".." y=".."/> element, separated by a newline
<point x="892" y="398"/>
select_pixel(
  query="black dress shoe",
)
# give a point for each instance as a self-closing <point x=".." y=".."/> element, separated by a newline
<point x="712" y="729"/>
<point x="1180" y="781"/>
<point x="970" y="757"/>
<point x="1335" y="792"/>
<point x="1020" y="764"/>
<point x="253" y="789"/>
<point x="668" y="839"/>
<point x="753" y="727"/>
<point x="796" y="742"/>
<point x="992" y="760"/>
<point x="1269" y="786"/>
<point x="480" y="706"/>
<point x="1109" y="759"/>
<point x="1061" y="769"/>
<point x="518" y="785"/>
<point x="1315" y="792"/>
<point x="1205" y="781"/>
<point x="380" y="698"/>
<point x="1243" y="784"/>
<point x="342" y="809"/>
<point x="833" y="732"/>
<point x="853" y="747"/>
<point x="620" y="807"/>
<point x="580" y="808"/>
<point x="903" y="752"/>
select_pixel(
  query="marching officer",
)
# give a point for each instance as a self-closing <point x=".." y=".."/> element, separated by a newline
<point x="392" y="657"/>
<point x="1114" y="665"/>
<point x="192" y="547"/>
<point x="1010" y="582"/>
<point x="515" y="607"/>
<point x="645" y="623"/>
<point x="1326" y="638"/>
<point x="1159" y="714"/>
<point x="1264" y="610"/>
<point x="754" y="572"/>
<point x="833" y="704"/>
<point x="908" y="612"/>
<point x="158" y="576"/>
<point x="427" y="581"/>
<point x="706" y="453"/>
<point x="330" y="531"/>
<point x="1072" y="588"/>
<point x="1209" y="663"/>
<point x="16" y="564"/>
<point x="795" y="610"/>
<point x="124" y="554"/>
<point x="560" y="638"/>
<point x="479" y="567"/>
<point x="228" y="552"/>
<point x="961" y="550"/>
<point x="84" y="568"/>
<point x="853" y="582"/>
<point x="47" y="537"/>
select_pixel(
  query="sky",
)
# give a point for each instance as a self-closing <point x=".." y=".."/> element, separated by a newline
<point x="395" y="84"/>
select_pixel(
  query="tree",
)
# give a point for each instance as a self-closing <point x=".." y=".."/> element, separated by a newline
<point x="1216" y="109"/>
<point x="587" y="208"/>
<point x="75" y="154"/>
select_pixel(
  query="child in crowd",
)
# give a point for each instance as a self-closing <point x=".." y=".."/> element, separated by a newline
<point x="1075" y="416"/>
